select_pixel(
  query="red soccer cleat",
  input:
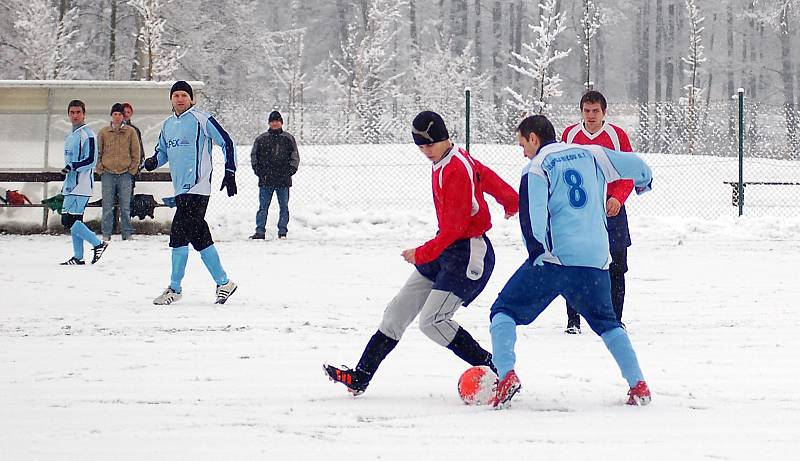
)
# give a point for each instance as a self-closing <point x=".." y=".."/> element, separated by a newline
<point x="506" y="388"/>
<point x="639" y="394"/>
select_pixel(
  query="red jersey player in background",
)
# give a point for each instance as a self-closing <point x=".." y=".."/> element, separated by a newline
<point x="452" y="268"/>
<point x="595" y="130"/>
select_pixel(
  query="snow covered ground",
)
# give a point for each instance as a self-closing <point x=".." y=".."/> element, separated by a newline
<point x="91" y="370"/>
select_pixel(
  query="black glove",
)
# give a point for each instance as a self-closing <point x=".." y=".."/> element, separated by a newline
<point x="230" y="182"/>
<point x="151" y="163"/>
<point x="66" y="170"/>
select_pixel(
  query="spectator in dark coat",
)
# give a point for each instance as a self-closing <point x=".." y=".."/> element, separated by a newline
<point x="275" y="159"/>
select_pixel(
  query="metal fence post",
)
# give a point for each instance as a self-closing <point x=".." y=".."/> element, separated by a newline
<point x="467" y="102"/>
<point x="740" y="92"/>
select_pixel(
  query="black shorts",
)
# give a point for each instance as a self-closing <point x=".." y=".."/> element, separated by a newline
<point x="189" y="224"/>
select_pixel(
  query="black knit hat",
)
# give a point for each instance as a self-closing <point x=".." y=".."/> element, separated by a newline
<point x="275" y="115"/>
<point x="181" y="85"/>
<point x="117" y="107"/>
<point x="428" y="128"/>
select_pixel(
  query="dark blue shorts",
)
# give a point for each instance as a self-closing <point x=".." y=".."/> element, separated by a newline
<point x="463" y="268"/>
<point x="532" y="288"/>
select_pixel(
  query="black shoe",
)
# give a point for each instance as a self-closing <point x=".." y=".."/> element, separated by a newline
<point x="258" y="236"/>
<point x="98" y="251"/>
<point x="352" y="379"/>
<point x="573" y="328"/>
<point x="73" y="261"/>
<point x="282" y="236"/>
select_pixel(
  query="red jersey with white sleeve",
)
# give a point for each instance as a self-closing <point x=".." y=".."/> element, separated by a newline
<point x="610" y="137"/>
<point x="459" y="182"/>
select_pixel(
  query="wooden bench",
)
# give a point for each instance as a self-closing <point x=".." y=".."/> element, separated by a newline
<point x="735" y="187"/>
<point x="54" y="175"/>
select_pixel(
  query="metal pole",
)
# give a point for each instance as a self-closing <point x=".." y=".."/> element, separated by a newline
<point x="48" y="114"/>
<point x="467" y="102"/>
<point x="740" y="92"/>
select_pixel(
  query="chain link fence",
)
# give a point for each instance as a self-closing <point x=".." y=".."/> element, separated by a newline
<point x="348" y="172"/>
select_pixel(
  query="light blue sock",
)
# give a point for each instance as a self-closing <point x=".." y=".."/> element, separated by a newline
<point x="80" y="229"/>
<point x="504" y="337"/>
<point x="179" y="257"/>
<point x="77" y="244"/>
<point x="211" y="260"/>
<point x="620" y="346"/>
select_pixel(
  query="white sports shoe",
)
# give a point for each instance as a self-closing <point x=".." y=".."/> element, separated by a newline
<point x="169" y="296"/>
<point x="225" y="291"/>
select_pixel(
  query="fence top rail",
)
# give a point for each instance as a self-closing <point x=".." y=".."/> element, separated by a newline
<point x="764" y="183"/>
<point x="54" y="175"/>
<point x="83" y="84"/>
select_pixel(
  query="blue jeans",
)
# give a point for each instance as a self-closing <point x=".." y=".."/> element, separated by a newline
<point x="264" y="199"/>
<point x="116" y="188"/>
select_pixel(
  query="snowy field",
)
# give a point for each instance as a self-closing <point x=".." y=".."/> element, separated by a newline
<point x="91" y="370"/>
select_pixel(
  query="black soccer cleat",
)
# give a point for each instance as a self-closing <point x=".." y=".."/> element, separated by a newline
<point x="352" y="379"/>
<point x="73" y="261"/>
<point x="98" y="251"/>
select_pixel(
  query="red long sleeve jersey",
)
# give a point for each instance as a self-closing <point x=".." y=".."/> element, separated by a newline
<point x="610" y="137"/>
<point x="459" y="182"/>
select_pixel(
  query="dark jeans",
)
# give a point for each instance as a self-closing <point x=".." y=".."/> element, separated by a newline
<point x="264" y="199"/>
<point x="617" y="269"/>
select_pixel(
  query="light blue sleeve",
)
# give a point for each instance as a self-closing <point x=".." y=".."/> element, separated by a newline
<point x="625" y="165"/>
<point x="538" y="192"/>
<point x="223" y="140"/>
<point x="161" y="149"/>
<point x="87" y="157"/>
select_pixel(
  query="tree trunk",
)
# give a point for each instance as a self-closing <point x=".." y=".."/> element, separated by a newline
<point x="729" y="89"/>
<point x="643" y="73"/>
<point x="497" y="61"/>
<point x="137" y="66"/>
<point x="669" y="61"/>
<point x="112" y="42"/>
<point x="788" y="81"/>
<point x="599" y="67"/>
<point x="412" y="24"/>
<point x="658" y="96"/>
<point x="341" y="13"/>
<point x="709" y="85"/>
<point x="478" y="41"/>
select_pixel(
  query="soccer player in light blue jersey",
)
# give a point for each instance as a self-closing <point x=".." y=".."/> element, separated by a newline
<point x="563" y="219"/>
<point x="185" y="143"/>
<point x="80" y="157"/>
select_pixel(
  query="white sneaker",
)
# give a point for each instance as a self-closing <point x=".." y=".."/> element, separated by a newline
<point x="169" y="296"/>
<point x="225" y="291"/>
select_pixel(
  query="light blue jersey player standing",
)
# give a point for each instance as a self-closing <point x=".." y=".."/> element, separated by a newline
<point x="185" y="143"/>
<point x="562" y="214"/>
<point x="80" y="157"/>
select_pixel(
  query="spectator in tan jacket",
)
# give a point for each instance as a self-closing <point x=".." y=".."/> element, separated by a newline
<point x="118" y="160"/>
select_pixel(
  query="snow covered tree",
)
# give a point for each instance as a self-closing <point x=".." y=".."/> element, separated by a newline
<point x="537" y="63"/>
<point x="362" y="73"/>
<point x="284" y="53"/>
<point x="780" y="14"/>
<point x="693" y="61"/>
<point x="46" y="41"/>
<point x="160" y="57"/>
<point x="695" y="56"/>
<point x="591" y="20"/>
<point x="441" y="77"/>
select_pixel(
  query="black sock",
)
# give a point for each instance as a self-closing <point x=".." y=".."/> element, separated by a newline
<point x="377" y="349"/>
<point x="468" y="350"/>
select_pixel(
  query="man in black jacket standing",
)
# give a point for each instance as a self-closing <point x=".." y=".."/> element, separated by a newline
<point x="275" y="159"/>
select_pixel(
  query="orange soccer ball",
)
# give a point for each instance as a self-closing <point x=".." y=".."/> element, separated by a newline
<point x="476" y="386"/>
